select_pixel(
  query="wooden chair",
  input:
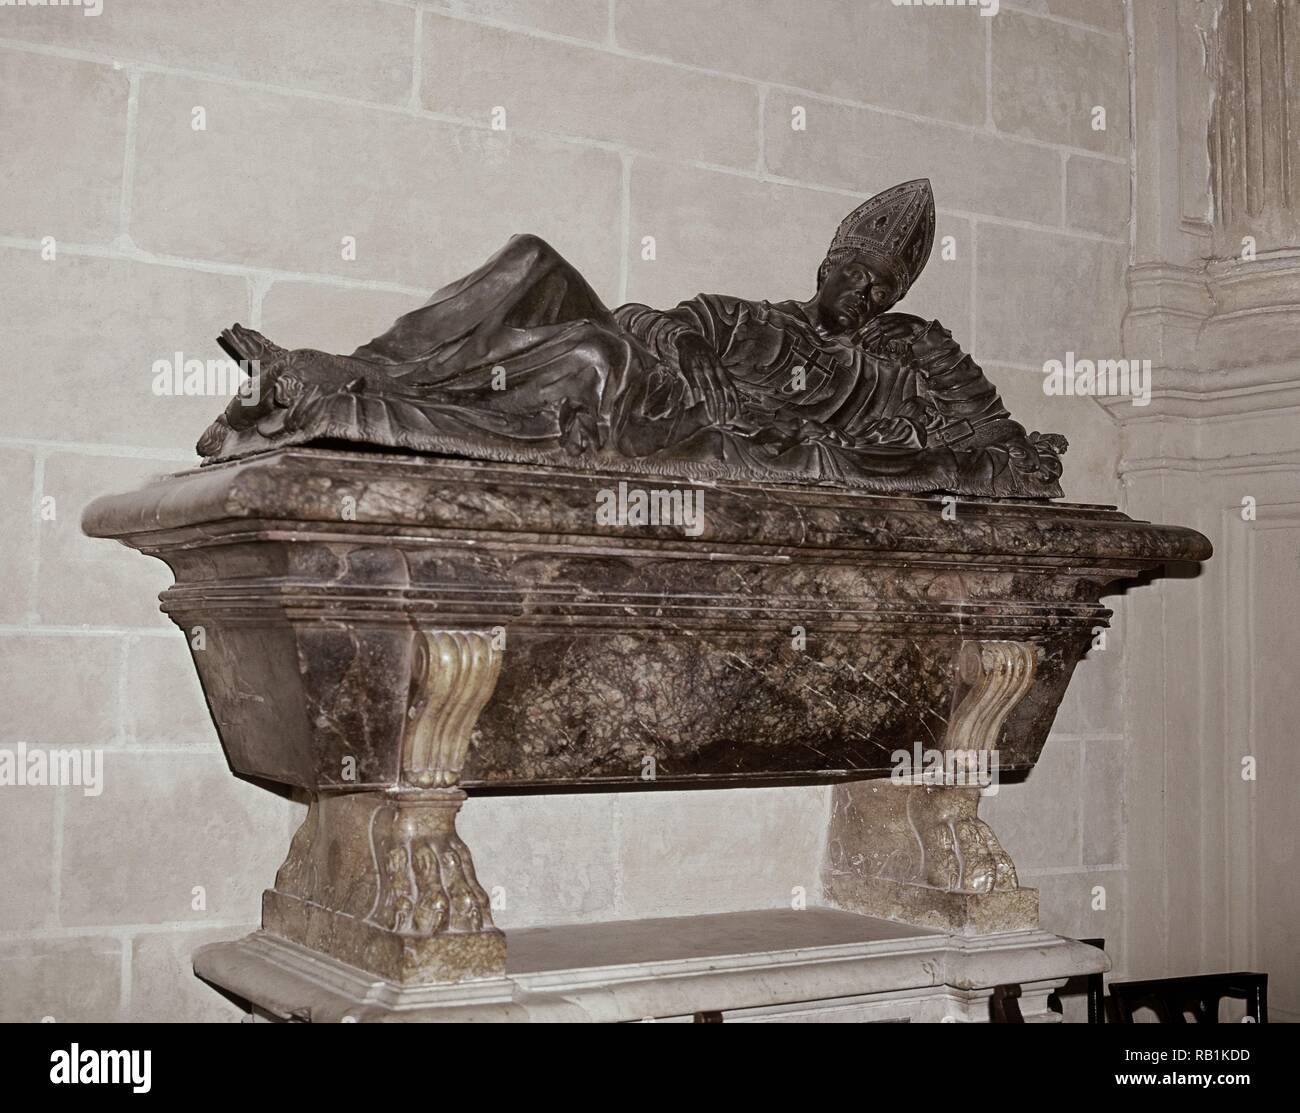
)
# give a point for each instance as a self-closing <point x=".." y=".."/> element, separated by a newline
<point x="1004" y="1005"/>
<point x="1200" y="995"/>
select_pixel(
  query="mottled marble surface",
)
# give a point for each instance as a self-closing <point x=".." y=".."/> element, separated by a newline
<point x="804" y="634"/>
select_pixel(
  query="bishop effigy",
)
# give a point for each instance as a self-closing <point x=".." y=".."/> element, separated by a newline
<point x="521" y="361"/>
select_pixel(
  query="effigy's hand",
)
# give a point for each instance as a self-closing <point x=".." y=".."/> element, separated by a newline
<point x="934" y="343"/>
<point x="911" y="338"/>
<point x="707" y="379"/>
<point x="891" y="332"/>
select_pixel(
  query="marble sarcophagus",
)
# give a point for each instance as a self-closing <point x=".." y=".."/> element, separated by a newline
<point x="802" y="634"/>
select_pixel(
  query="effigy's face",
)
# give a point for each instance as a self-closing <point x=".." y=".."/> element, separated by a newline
<point x="854" y="290"/>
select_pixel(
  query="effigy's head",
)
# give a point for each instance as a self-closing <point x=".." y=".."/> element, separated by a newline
<point x="878" y="252"/>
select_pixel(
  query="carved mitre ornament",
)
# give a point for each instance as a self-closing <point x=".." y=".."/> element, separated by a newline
<point x="894" y="228"/>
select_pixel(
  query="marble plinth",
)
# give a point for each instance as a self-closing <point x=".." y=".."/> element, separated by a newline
<point x="815" y="965"/>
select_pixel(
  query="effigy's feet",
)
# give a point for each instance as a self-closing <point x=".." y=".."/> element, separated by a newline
<point x="278" y="379"/>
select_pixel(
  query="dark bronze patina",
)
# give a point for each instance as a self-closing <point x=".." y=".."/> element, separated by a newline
<point x="520" y="361"/>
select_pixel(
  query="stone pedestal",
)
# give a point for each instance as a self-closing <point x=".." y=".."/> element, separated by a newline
<point x="383" y="882"/>
<point x="920" y="854"/>
<point x="751" y="967"/>
<point x="913" y="848"/>
<point x="379" y="879"/>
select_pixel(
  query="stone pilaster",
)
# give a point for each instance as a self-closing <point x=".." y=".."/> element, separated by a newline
<point x="1215" y="282"/>
<point x="1254" y="133"/>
